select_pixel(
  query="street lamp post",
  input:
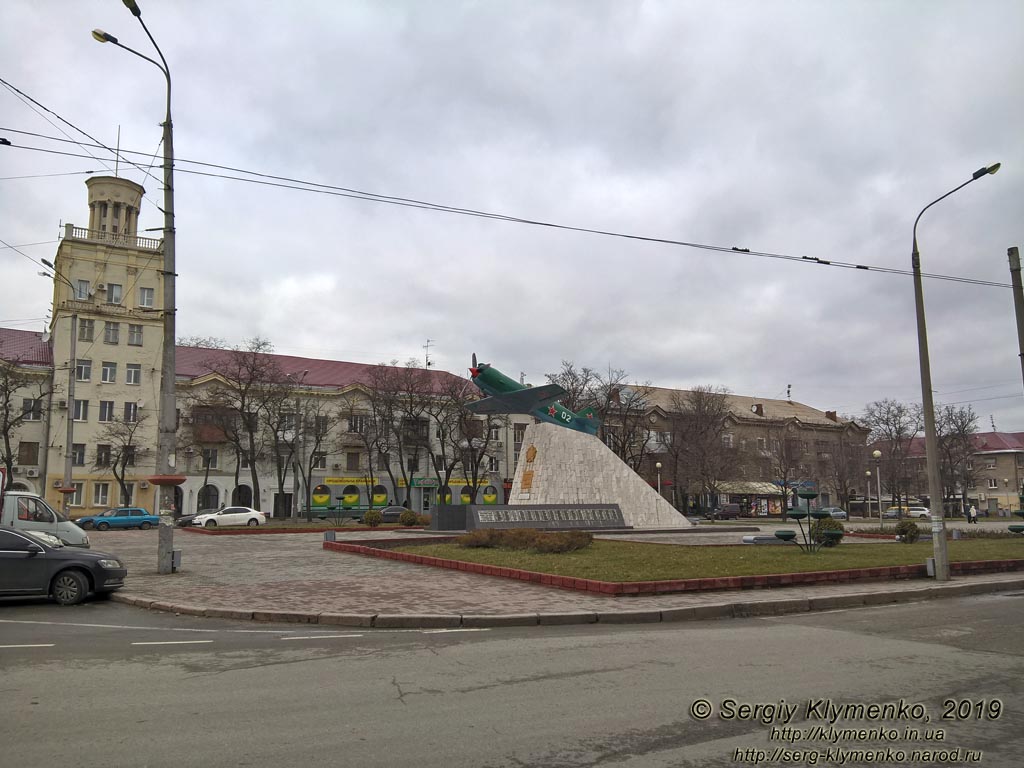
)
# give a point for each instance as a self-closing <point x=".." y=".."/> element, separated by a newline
<point x="877" y="456"/>
<point x="867" y="495"/>
<point x="657" y="466"/>
<point x="930" y="437"/>
<point x="67" y="489"/>
<point x="165" y="478"/>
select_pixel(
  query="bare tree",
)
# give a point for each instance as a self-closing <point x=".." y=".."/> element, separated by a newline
<point x="955" y="429"/>
<point x="22" y="392"/>
<point x="895" y="424"/>
<point x="316" y="418"/>
<point x="120" y="448"/>
<point x="698" y="428"/>
<point x="247" y="388"/>
<point x="844" y="465"/>
<point x="579" y="385"/>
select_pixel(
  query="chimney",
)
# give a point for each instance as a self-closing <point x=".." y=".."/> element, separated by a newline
<point x="831" y="416"/>
<point x="757" y="409"/>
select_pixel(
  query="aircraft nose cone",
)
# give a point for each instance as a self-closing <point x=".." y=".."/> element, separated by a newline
<point x="474" y="372"/>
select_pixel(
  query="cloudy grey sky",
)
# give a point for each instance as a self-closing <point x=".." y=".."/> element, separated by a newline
<point x="799" y="128"/>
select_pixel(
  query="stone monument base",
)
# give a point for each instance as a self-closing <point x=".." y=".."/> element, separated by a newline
<point x="564" y="466"/>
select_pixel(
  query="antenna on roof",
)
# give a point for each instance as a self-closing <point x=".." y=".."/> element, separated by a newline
<point x="992" y="419"/>
<point x="789" y="395"/>
<point x="426" y="357"/>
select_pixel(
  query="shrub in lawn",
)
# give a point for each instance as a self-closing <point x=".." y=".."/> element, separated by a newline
<point x="818" y="528"/>
<point x="563" y="541"/>
<point x="486" y="538"/>
<point x="519" y="538"/>
<point x="373" y="518"/>
<point x="407" y="518"/>
<point x="423" y="519"/>
<point x="907" y="531"/>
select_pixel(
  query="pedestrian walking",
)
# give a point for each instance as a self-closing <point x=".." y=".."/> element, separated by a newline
<point x="972" y="515"/>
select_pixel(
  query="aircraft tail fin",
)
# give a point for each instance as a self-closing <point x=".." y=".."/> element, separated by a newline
<point x="587" y="413"/>
<point x="589" y="419"/>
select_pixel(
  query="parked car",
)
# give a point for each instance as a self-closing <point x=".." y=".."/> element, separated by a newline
<point x="918" y="512"/>
<point x="35" y="563"/>
<point x="724" y="512"/>
<point x="231" y="516"/>
<point x="120" y="517"/>
<point x="837" y="513"/>
<point x="391" y="514"/>
<point x="186" y="520"/>
<point x="894" y="512"/>
<point x="28" y="512"/>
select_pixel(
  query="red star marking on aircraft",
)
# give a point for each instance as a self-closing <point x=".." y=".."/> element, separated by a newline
<point x="551" y="410"/>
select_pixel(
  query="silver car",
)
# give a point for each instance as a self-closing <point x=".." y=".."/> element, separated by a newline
<point x="837" y="513"/>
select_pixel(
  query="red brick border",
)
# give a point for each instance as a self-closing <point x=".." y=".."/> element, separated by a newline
<point x="262" y="529"/>
<point x="381" y="548"/>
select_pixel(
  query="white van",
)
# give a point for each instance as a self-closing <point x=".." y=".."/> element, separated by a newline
<point x="28" y="512"/>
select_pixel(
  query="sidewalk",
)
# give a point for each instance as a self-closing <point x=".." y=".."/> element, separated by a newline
<point x="290" y="577"/>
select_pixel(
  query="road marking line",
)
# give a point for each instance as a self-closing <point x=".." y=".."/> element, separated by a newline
<point x="317" y="637"/>
<point x="175" y="642"/>
<point x="466" y="629"/>
<point x="147" y="629"/>
<point x="39" y="645"/>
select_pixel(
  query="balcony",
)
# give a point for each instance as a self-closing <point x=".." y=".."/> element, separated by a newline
<point x="71" y="232"/>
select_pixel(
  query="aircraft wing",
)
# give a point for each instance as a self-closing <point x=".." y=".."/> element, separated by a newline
<point x="521" y="401"/>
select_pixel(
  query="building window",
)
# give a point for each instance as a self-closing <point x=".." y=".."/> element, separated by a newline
<point x="133" y="374"/>
<point x="134" y="335"/>
<point x="323" y="425"/>
<point x="146" y="297"/>
<point x="494" y="433"/>
<point x="78" y="454"/>
<point x="100" y="494"/>
<point x="85" y="329"/>
<point x="102" y="455"/>
<point x="357" y="424"/>
<point x="414" y="463"/>
<point x="493" y="464"/>
<point x="383" y="461"/>
<point x="81" y="411"/>
<point x="108" y="374"/>
<point x="131" y="412"/>
<point x="210" y="458"/>
<point x="83" y="370"/>
<point x="106" y="410"/>
<point x="129" y="455"/>
<point x="111" y="333"/>
<point x="113" y="293"/>
<point x="76" y="497"/>
<point x="993" y="484"/>
<point x="28" y="454"/>
<point x="31" y="409"/>
<point x="990" y="463"/>
<point x="319" y="461"/>
<point x="351" y="462"/>
<point x="81" y="289"/>
<point x="727" y="440"/>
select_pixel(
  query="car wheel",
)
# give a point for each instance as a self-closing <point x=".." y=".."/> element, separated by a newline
<point x="102" y="526"/>
<point x="86" y="525"/>
<point x="211" y="523"/>
<point x="146" y="526"/>
<point x="253" y="523"/>
<point x="69" y="588"/>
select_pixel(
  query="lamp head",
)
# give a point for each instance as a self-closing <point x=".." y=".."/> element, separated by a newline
<point x="47" y="263"/>
<point x="132" y="6"/>
<point x="987" y="171"/>
<point x="876" y="455"/>
<point x="102" y="37"/>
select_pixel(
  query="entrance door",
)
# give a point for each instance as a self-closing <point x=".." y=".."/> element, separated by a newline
<point x="428" y="500"/>
<point x="282" y="504"/>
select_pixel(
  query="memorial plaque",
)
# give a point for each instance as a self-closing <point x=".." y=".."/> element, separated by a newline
<point x="545" y="516"/>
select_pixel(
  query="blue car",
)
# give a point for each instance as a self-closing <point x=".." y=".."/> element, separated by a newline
<point x="120" y="517"/>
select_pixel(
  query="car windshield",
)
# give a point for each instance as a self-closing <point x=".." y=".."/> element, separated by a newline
<point x="46" y="538"/>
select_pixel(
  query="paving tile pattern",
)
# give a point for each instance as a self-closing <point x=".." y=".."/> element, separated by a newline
<point x="293" y="573"/>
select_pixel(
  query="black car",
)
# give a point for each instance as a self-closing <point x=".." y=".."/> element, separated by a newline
<point x="185" y="521"/>
<point x="724" y="512"/>
<point x="33" y="563"/>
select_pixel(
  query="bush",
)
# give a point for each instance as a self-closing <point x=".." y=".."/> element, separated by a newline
<point x="423" y="519"/>
<point x="526" y="539"/>
<point x="373" y="518"/>
<point x="407" y="518"/>
<point x="818" y="528"/>
<point x="907" y="531"/>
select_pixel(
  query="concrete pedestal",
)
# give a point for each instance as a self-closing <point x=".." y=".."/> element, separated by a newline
<point x="563" y="466"/>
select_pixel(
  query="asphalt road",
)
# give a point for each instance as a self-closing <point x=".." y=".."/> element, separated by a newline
<point x="105" y="684"/>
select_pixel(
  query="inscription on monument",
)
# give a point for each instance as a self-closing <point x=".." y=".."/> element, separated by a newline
<point x="545" y="516"/>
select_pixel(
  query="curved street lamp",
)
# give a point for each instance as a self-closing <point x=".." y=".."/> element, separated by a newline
<point x="165" y="479"/>
<point x="930" y="437"/>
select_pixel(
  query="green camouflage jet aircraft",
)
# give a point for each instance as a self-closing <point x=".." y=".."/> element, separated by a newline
<point x="506" y="395"/>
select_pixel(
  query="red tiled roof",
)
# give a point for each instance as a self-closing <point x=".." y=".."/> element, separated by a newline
<point x="193" y="362"/>
<point x="24" y="347"/>
<point x="983" y="442"/>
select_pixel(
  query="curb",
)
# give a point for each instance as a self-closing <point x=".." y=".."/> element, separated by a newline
<point x="732" y="609"/>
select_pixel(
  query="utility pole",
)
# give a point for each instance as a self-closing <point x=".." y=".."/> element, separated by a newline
<point x="70" y="437"/>
<point x="426" y="357"/>
<point x="1018" y="300"/>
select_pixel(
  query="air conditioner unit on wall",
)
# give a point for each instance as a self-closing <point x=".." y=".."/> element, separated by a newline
<point x="33" y="472"/>
<point x="57" y="484"/>
<point x="101" y="286"/>
<point x="144" y="484"/>
<point x="62" y="404"/>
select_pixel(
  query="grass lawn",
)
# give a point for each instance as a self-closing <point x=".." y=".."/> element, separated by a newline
<point x="636" y="561"/>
